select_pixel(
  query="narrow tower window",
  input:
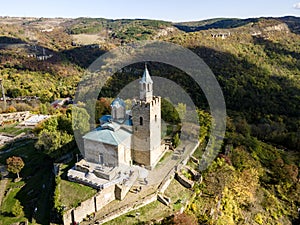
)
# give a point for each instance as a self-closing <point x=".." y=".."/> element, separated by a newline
<point x="155" y="118"/>
<point x="141" y="121"/>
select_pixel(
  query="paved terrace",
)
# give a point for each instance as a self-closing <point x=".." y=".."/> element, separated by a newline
<point x="107" y="176"/>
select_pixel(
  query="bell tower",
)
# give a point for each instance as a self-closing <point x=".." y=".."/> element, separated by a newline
<point x="146" y="119"/>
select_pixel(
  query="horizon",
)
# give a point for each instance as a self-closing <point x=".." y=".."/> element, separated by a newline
<point x="179" y="11"/>
<point x="190" y="21"/>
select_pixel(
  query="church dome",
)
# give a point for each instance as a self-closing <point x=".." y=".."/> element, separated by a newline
<point x="118" y="102"/>
<point x="118" y="109"/>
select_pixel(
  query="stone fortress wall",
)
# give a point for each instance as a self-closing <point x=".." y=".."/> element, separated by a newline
<point x="106" y="196"/>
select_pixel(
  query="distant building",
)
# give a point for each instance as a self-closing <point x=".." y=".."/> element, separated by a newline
<point x="220" y="35"/>
<point x="61" y="102"/>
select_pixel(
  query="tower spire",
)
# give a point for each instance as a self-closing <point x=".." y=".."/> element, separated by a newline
<point x="146" y="76"/>
<point x="146" y="86"/>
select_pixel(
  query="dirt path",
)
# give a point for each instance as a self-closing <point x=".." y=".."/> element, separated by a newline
<point x="3" y="184"/>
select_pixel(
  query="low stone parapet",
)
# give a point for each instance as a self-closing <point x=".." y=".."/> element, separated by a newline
<point x="183" y="180"/>
<point x="164" y="199"/>
<point x="195" y="174"/>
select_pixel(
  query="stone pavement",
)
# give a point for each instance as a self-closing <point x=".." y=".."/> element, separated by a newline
<point x="157" y="175"/>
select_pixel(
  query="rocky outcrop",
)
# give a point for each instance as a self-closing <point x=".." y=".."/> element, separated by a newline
<point x="282" y="27"/>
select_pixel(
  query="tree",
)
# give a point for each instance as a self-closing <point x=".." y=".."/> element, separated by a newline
<point x="53" y="143"/>
<point x="176" y="140"/>
<point x="180" y="219"/>
<point x="15" y="92"/>
<point x="65" y="124"/>
<point x="181" y="109"/>
<point x="183" y="218"/>
<point x="50" y="124"/>
<point x="11" y="109"/>
<point x="43" y="109"/>
<point x="102" y="108"/>
<point x="169" y="113"/>
<point x="55" y="136"/>
<point x="80" y="120"/>
<point x="15" y="164"/>
<point x="17" y="209"/>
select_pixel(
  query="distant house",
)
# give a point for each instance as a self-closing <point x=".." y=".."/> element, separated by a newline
<point x="220" y="35"/>
<point x="61" y="102"/>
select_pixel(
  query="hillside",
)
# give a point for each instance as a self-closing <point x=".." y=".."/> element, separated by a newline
<point x="255" y="60"/>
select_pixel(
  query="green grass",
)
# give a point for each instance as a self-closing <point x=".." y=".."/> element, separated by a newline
<point x="13" y="130"/>
<point x="6" y="216"/>
<point x="177" y="192"/>
<point x="73" y="193"/>
<point x="152" y="211"/>
<point x="156" y="210"/>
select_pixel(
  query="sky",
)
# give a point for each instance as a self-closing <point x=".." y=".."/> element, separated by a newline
<point x="169" y="10"/>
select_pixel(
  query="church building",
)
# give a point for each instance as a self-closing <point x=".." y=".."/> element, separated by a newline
<point x="124" y="139"/>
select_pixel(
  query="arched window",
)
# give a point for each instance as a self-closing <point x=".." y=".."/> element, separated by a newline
<point x="141" y="121"/>
<point x="155" y="118"/>
<point x="148" y="87"/>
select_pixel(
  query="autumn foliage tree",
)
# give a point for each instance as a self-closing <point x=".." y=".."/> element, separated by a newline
<point x="15" y="164"/>
<point x="180" y="219"/>
<point x="102" y="108"/>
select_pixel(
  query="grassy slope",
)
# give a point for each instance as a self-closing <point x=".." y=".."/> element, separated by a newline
<point x="156" y="210"/>
<point x="242" y="196"/>
<point x="36" y="173"/>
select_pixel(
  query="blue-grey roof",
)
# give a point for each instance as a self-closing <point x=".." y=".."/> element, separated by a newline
<point x="105" y="118"/>
<point x="109" y="133"/>
<point x="146" y="77"/>
<point x="111" y="126"/>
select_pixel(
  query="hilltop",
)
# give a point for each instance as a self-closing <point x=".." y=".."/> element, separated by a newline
<point x="255" y="60"/>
